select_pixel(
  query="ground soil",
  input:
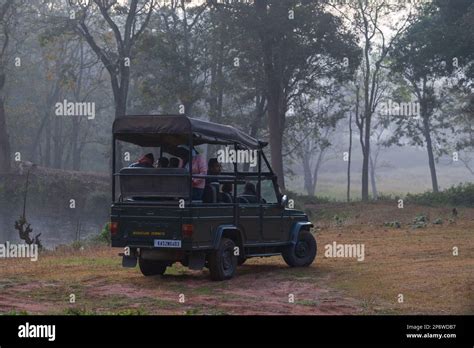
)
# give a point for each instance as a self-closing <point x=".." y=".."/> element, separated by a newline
<point x="416" y="262"/>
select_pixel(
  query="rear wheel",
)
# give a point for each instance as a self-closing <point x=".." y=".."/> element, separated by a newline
<point x="223" y="262"/>
<point x="302" y="253"/>
<point x="152" y="267"/>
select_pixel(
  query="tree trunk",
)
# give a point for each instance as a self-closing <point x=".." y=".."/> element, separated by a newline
<point x="276" y="143"/>
<point x="349" y="159"/>
<point x="120" y="110"/>
<point x="217" y="78"/>
<point x="274" y="93"/>
<point x="120" y="105"/>
<point x="317" y="166"/>
<point x="365" y="175"/>
<point x="311" y="175"/>
<point x="372" y="179"/>
<point x="47" y="150"/>
<point x="76" y="156"/>
<point x="365" y="163"/>
<point x="36" y="144"/>
<point x="5" y="160"/>
<point x="57" y="144"/>
<point x="431" y="159"/>
<point x="308" y="180"/>
<point x="5" y="163"/>
<point x="256" y="124"/>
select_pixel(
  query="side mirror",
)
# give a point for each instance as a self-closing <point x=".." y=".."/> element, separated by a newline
<point x="284" y="201"/>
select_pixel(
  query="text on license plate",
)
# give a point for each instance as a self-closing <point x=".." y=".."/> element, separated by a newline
<point x="167" y="243"/>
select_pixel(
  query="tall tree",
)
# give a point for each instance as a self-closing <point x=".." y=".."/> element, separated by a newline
<point x="173" y="60"/>
<point x="452" y="42"/>
<point x="7" y="13"/>
<point x="368" y="19"/>
<point x="309" y="131"/>
<point x="300" y="43"/>
<point x="349" y="152"/>
<point x="126" y="23"/>
<point x="422" y="68"/>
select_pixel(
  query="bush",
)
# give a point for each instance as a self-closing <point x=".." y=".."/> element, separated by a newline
<point x="460" y="195"/>
<point x="394" y="224"/>
<point x="302" y="200"/>
<point x="420" y="221"/>
<point x="103" y="237"/>
<point x="387" y="197"/>
<point x="77" y="245"/>
<point x="79" y="311"/>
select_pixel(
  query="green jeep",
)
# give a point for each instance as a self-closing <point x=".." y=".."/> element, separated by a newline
<point x="156" y="221"/>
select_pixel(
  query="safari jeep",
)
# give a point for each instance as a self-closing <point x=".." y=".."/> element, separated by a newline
<point x="156" y="222"/>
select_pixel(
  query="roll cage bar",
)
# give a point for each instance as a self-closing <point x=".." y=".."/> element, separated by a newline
<point x="230" y="136"/>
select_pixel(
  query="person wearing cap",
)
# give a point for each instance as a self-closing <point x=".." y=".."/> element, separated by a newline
<point x="144" y="162"/>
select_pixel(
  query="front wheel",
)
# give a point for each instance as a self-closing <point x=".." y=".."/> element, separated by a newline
<point x="223" y="262"/>
<point x="302" y="253"/>
<point x="152" y="267"/>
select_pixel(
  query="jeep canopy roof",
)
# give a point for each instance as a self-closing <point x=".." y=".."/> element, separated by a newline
<point x="172" y="130"/>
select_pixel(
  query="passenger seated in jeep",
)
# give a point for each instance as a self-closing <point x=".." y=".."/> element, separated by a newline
<point x="198" y="166"/>
<point x="226" y="196"/>
<point x="163" y="162"/>
<point x="144" y="162"/>
<point x="174" y="162"/>
<point x="214" y="168"/>
<point x="211" y="192"/>
<point x="250" y="193"/>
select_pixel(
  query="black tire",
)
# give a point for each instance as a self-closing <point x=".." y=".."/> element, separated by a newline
<point x="152" y="267"/>
<point x="223" y="262"/>
<point x="301" y="254"/>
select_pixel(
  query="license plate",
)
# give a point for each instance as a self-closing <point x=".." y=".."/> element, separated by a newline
<point x="167" y="243"/>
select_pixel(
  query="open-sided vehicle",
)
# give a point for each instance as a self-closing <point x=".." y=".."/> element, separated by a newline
<point x="155" y="219"/>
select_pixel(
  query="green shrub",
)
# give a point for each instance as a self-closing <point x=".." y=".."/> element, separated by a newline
<point x="131" y="311"/>
<point x="394" y="224"/>
<point x="339" y="220"/>
<point x="387" y="197"/>
<point x="77" y="244"/>
<point x="15" y="312"/>
<point x="103" y="237"/>
<point x="420" y="221"/>
<point x="302" y="200"/>
<point x="79" y="311"/>
<point x="460" y="195"/>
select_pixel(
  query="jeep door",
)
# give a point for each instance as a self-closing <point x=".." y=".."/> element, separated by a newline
<point x="249" y="220"/>
<point x="272" y="213"/>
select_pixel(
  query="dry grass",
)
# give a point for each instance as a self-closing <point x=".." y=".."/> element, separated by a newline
<point x="417" y="263"/>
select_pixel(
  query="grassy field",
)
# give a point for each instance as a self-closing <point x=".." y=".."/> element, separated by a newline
<point x="414" y="260"/>
<point x="390" y="181"/>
